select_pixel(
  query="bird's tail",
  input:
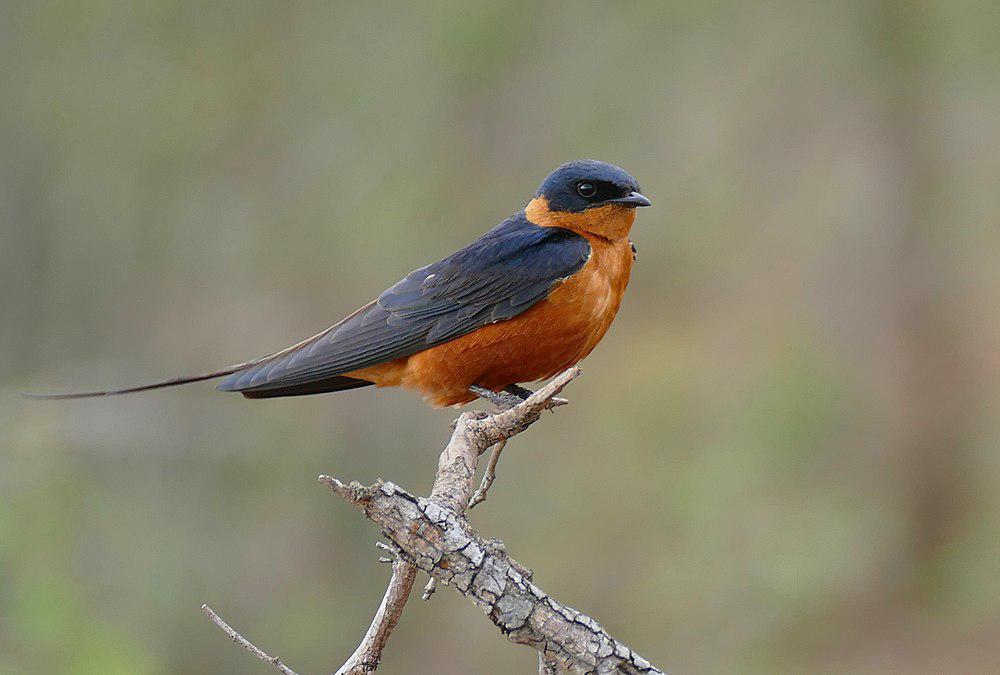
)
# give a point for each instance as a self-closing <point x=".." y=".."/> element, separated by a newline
<point x="336" y="383"/>
<point x="173" y="382"/>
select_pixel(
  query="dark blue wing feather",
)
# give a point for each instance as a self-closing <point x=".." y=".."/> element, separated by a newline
<point x="497" y="277"/>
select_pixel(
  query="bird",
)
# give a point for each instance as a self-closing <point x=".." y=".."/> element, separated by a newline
<point x="523" y="302"/>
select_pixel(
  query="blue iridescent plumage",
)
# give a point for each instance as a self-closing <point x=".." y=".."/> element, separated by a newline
<point x="497" y="277"/>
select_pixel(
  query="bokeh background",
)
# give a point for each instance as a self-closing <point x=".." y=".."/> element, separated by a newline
<point x="783" y="458"/>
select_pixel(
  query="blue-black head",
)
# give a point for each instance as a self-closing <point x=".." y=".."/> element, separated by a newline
<point x="588" y="183"/>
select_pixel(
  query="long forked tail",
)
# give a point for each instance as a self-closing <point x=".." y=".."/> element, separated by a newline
<point x="174" y="381"/>
<point x="321" y="385"/>
<point x="146" y="387"/>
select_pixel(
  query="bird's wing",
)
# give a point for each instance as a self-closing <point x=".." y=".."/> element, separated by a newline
<point x="502" y="274"/>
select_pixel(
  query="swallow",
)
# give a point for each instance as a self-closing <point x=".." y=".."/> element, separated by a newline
<point x="528" y="299"/>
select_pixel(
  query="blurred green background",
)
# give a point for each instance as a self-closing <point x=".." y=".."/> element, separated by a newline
<point x="783" y="458"/>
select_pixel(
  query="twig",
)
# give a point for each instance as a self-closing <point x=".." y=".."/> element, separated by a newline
<point x="367" y="656"/>
<point x="246" y="644"/>
<point x="489" y="475"/>
<point x="475" y="433"/>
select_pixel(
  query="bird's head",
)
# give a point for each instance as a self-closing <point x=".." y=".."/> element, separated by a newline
<point x="587" y="196"/>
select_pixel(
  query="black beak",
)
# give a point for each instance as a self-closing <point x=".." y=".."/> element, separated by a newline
<point x="632" y="199"/>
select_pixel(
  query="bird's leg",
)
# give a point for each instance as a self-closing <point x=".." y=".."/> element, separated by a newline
<point x="501" y="399"/>
<point x="511" y="395"/>
<point x="519" y="391"/>
<point x="523" y="394"/>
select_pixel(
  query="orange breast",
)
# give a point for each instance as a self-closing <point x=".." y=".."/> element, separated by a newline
<point x="548" y="338"/>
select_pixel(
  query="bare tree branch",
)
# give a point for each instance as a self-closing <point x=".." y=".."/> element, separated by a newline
<point x="246" y="644"/>
<point x="453" y="469"/>
<point x="476" y="432"/>
<point x="489" y="476"/>
<point x="433" y="535"/>
<point x="441" y="543"/>
<point x="367" y="656"/>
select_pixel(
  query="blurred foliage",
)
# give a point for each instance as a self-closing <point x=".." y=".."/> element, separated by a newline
<point x="782" y="459"/>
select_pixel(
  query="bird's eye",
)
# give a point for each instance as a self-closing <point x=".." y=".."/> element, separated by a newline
<point x="586" y="189"/>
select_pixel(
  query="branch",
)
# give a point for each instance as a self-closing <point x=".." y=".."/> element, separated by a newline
<point x="476" y="432"/>
<point x="489" y="476"/>
<point x="433" y="535"/>
<point x="367" y="656"/>
<point x="452" y="489"/>
<point x="246" y="644"/>
<point x="441" y="543"/>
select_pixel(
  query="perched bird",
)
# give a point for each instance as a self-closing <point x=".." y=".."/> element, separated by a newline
<point x="528" y="299"/>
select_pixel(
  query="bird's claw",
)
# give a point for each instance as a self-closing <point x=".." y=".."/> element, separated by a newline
<point x="513" y="395"/>
<point x="504" y="400"/>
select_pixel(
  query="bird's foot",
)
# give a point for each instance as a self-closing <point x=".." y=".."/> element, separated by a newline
<point x="523" y="394"/>
<point x="511" y="396"/>
<point x="519" y="391"/>
<point x="505" y="400"/>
